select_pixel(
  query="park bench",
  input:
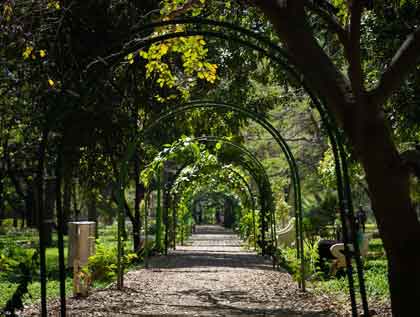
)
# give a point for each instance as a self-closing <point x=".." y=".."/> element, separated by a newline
<point x="337" y="250"/>
<point x="287" y="235"/>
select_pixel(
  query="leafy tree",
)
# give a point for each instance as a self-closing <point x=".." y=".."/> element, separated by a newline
<point x="359" y="107"/>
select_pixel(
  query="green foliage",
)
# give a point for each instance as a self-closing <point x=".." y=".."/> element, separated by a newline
<point x="287" y="259"/>
<point x="192" y="51"/>
<point x="327" y="175"/>
<point x="12" y="258"/>
<point x="317" y="217"/>
<point x="102" y="266"/>
<point x="18" y="265"/>
<point x="376" y="281"/>
<point x="246" y="226"/>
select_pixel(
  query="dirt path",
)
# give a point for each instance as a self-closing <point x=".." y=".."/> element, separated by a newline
<point x="210" y="276"/>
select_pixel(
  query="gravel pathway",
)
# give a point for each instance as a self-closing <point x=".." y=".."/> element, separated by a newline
<point x="210" y="276"/>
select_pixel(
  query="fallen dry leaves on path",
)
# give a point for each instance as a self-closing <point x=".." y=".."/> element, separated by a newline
<point x="211" y="276"/>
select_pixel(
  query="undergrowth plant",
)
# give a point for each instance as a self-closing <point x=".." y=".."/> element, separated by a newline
<point x="287" y="258"/>
<point x="102" y="266"/>
<point x="20" y="266"/>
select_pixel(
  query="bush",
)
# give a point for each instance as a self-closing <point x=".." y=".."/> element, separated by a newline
<point x="103" y="267"/>
<point x="287" y="259"/>
<point x="11" y="259"/>
<point x="319" y="217"/>
<point x="18" y="266"/>
<point x="246" y="227"/>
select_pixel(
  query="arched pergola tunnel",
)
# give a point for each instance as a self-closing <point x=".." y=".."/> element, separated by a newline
<point x="243" y="181"/>
<point x="266" y="47"/>
<point x="229" y="32"/>
<point x="198" y="191"/>
<point x="285" y="149"/>
<point x="189" y="161"/>
<point x="256" y="171"/>
<point x="169" y="224"/>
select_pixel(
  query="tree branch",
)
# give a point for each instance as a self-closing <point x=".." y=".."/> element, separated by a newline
<point x="318" y="70"/>
<point x="353" y="53"/>
<point x="332" y="21"/>
<point x="401" y="65"/>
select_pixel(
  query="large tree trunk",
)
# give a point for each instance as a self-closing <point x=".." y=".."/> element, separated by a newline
<point x="364" y="123"/>
<point x="398" y="225"/>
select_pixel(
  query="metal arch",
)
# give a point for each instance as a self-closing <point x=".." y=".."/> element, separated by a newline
<point x="255" y="176"/>
<point x="251" y="197"/>
<point x="250" y="194"/>
<point x="266" y="184"/>
<point x="339" y="156"/>
<point x="226" y="141"/>
<point x="240" y="148"/>
<point x="265" y="179"/>
<point x="260" y="188"/>
<point x="262" y="121"/>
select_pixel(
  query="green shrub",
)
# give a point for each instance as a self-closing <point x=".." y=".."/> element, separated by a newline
<point x="11" y="259"/>
<point x="246" y="227"/>
<point x="20" y="265"/>
<point x="288" y="259"/>
<point x="102" y="266"/>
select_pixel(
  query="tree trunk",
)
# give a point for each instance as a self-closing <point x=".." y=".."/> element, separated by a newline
<point x="68" y="184"/>
<point x="49" y="204"/>
<point x="388" y="181"/>
<point x="92" y="211"/>
<point x="365" y="126"/>
<point x="137" y="219"/>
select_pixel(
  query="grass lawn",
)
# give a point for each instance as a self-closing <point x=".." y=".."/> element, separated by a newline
<point x="29" y="239"/>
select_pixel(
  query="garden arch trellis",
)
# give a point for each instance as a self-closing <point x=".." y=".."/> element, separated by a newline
<point x="263" y="122"/>
<point x="263" y="184"/>
<point x="231" y="32"/>
<point x="241" y="180"/>
<point x="251" y="197"/>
